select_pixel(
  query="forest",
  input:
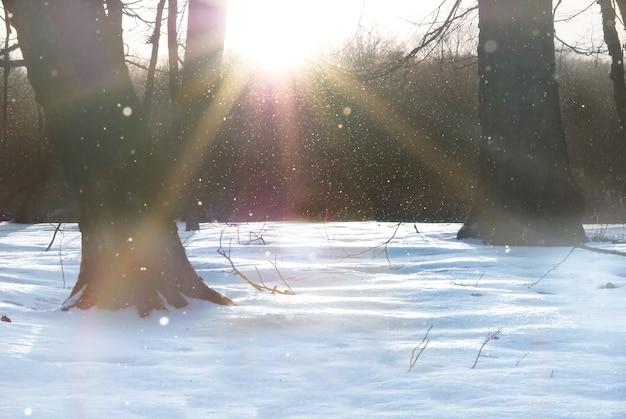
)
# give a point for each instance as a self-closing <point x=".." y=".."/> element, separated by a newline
<point x="426" y="226"/>
<point x="337" y="140"/>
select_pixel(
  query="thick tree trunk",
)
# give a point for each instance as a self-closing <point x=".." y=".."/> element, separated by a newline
<point x="527" y="194"/>
<point x="131" y="253"/>
<point x="201" y="76"/>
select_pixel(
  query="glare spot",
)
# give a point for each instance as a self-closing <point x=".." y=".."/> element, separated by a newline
<point x="507" y="249"/>
<point x="163" y="321"/>
<point x="199" y="203"/>
<point x="129" y="240"/>
<point x="143" y="268"/>
<point x="340" y="126"/>
<point x="28" y="411"/>
<point x="127" y="111"/>
<point x="490" y="46"/>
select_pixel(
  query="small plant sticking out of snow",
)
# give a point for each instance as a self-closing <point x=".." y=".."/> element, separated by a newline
<point x="384" y="245"/>
<point x="261" y="286"/>
<point x="421" y="347"/>
<point x="491" y="335"/>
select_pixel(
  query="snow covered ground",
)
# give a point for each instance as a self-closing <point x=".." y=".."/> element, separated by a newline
<point x="363" y="312"/>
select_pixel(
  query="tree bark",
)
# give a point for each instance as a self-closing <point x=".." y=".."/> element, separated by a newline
<point x="527" y="194"/>
<point x="131" y="254"/>
<point x="611" y="38"/>
<point x="172" y="49"/>
<point x="155" y="40"/>
<point x="201" y="77"/>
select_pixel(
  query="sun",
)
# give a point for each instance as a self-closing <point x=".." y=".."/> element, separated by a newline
<point x="278" y="36"/>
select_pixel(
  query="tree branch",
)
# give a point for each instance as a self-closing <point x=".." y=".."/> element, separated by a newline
<point x="259" y="287"/>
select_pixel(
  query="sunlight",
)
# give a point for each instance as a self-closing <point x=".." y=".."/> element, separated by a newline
<point x="278" y="36"/>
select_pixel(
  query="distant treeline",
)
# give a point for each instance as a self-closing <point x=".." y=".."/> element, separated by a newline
<point x="330" y="146"/>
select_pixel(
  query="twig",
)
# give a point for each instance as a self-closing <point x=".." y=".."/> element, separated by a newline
<point x="490" y="336"/>
<point x="554" y="268"/>
<point x="481" y="277"/>
<point x="581" y="246"/>
<point x="384" y="245"/>
<point x="521" y="359"/>
<point x="281" y="276"/>
<point x="60" y="251"/>
<point x="56" y="230"/>
<point x="415" y="357"/>
<point x="259" y="287"/>
<point x="257" y="237"/>
<point x="602" y="251"/>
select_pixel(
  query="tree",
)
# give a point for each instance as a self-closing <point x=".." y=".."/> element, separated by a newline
<point x="614" y="46"/>
<point x="527" y="193"/>
<point x="201" y="76"/>
<point x="131" y="252"/>
<point x="155" y="40"/>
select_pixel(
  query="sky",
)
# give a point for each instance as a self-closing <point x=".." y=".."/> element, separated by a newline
<point x="283" y="33"/>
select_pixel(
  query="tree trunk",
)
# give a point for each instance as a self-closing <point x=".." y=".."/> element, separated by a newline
<point x="527" y="194"/>
<point x="131" y="255"/>
<point x="172" y="49"/>
<point x="201" y="76"/>
<point x="5" y="85"/>
<point x="611" y="38"/>
<point x="155" y="40"/>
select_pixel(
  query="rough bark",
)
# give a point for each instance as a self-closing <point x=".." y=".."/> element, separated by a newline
<point x="527" y="194"/>
<point x="131" y="254"/>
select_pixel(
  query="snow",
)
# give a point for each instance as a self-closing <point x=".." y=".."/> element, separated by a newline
<point x="366" y="303"/>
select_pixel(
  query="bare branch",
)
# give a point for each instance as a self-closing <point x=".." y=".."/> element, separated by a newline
<point x="259" y="287"/>
<point x="490" y="336"/>
<point x="421" y="348"/>
<point x="554" y="268"/>
<point x="435" y="35"/>
<point x="384" y="245"/>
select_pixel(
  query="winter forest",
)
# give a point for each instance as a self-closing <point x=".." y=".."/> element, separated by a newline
<point x="374" y="129"/>
<point x="270" y="191"/>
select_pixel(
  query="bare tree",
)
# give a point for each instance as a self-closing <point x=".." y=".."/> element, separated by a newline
<point x="614" y="45"/>
<point x="527" y="193"/>
<point x="154" y="56"/>
<point x="201" y="77"/>
<point x="172" y="48"/>
<point x="131" y="252"/>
